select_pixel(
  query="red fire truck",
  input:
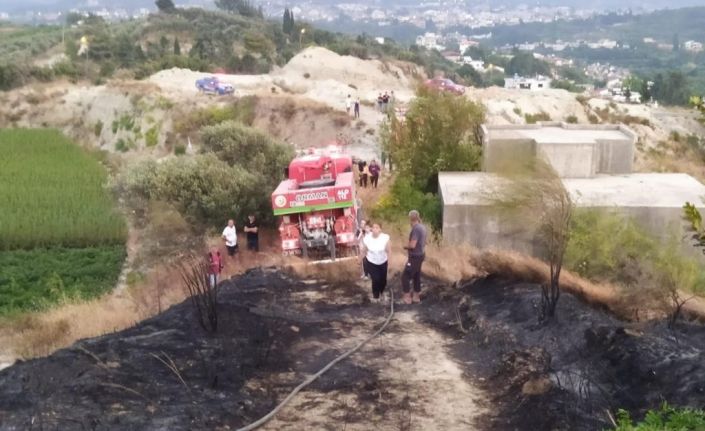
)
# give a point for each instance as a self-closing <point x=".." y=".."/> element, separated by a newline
<point x="317" y="205"/>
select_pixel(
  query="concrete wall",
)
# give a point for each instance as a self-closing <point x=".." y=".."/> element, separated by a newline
<point x="484" y="227"/>
<point x="494" y="155"/>
<point x="571" y="160"/>
<point x="615" y="157"/>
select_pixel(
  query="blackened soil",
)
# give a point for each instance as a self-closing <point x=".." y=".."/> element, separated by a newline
<point x="578" y="367"/>
<point x="123" y="381"/>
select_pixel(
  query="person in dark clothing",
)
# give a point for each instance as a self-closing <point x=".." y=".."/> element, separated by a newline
<point x="417" y="253"/>
<point x="362" y="168"/>
<point x="357" y="108"/>
<point x="252" y="230"/>
<point x="374" y="173"/>
<point x="379" y="102"/>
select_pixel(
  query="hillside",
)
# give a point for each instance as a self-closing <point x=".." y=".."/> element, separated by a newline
<point x="302" y="102"/>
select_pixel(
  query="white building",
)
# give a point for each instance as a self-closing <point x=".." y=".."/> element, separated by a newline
<point x="478" y="65"/>
<point x="523" y="83"/>
<point x="693" y="46"/>
<point x="430" y="41"/>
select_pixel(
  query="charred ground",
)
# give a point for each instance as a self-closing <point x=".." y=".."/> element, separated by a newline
<point x="274" y="329"/>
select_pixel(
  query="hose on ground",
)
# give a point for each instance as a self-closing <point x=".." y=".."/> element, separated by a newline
<point x="264" y="419"/>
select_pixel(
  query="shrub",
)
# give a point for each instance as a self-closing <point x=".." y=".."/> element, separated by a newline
<point x="122" y="146"/>
<point x="402" y="197"/>
<point x="245" y="147"/>
<point x="571" y="119"/>
<point x="605" y="246"/>
<point x="535" y="118"/>
<point x="98" y="128"/>
<point x="202" y="187"/>
<point x="151" y="136"/>
<point x="667" y="418"/>
<point x="179" y="149"/>
<point x="517" y="110"/>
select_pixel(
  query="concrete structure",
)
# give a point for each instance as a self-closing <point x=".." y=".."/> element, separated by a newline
<point x="655" y="201"/>
<point x="574" y="151"/>
<point x="594" y="164"/>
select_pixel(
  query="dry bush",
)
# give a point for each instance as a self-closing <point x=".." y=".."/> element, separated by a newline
<point x="203" y="295"/>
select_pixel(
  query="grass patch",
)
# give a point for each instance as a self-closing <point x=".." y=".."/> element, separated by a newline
<point x="53" y="194"/>
<point x="535" y="118"/>
<point x="33" y="280"/>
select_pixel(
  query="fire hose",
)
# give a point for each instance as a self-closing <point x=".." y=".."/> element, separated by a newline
<point x="264" y="419"/>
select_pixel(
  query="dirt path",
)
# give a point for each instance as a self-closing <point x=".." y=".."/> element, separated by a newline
<point x="402" y="380"/>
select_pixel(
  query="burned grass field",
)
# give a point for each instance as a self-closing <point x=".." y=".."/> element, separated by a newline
<point x="472" y="356"/>
<point x="574" y="372"/>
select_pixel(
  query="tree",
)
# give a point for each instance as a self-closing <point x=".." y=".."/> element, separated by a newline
<point x="165" y="6"/>
<point x="177" y="47"/>
<point x="242" y="7"/>
<point x="288" y="24"/>
<point x="525" y="64"/>
<point x="471" y="76"/>
<point x="440" y="132"/>
<point x="532" y="192"/>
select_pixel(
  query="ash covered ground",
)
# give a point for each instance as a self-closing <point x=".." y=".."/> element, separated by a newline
<point x="472" y="356"/>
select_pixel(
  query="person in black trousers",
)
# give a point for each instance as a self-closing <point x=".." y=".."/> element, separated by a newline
<point x="417" y="253"/>
<point x="252" y="230"/>
<point x="375" y="250"/>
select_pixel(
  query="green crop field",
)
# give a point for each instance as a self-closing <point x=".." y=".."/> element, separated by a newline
<point x="52" y="194"/>
<point x="61" y="237"/>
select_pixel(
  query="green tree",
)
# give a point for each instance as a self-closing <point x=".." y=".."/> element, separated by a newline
<point x="525" y="64"/>
<point x="165" y="5"/>
<point x="242" y="7"/>
<point x="288" y="22"/>
<point x="471" y="76"/>
<point x="177" y="47"/>
<point x="440" y="132"/>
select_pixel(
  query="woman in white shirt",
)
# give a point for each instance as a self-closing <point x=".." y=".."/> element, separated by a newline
<point x="375" y="248"/>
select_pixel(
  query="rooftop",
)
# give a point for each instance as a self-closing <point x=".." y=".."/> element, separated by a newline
<point x="632" y="190"/>
<point x="559" y="133"/>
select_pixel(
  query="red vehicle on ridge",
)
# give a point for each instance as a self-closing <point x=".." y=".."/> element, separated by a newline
<point x="445" y="84"/>
<point x="317" y="205"/>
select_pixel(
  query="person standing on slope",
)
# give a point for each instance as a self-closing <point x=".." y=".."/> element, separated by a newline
<point x="215" y="266"/>
<point x="357" y="108"/>
<point x="230" y="238"/>
<point x="374" y="173"/>
<point x="348" y="104"/>
<point x="252" y="230"/>
<point x="417" y="253"/>
<point x="375" y="250"/>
